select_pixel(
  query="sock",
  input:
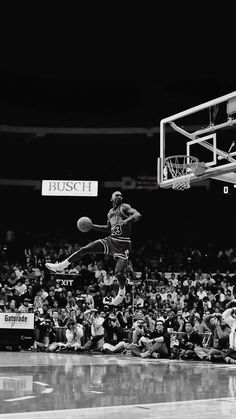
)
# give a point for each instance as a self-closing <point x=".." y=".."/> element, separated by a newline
<point x="121" y="291"/>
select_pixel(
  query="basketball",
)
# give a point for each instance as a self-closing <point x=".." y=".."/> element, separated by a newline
<point x="84" y="224"/>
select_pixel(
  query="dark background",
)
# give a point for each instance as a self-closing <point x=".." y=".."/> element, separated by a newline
<point x="116" y="69"/>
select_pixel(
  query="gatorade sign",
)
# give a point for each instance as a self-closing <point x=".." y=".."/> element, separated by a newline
<point x="16" y="320"/>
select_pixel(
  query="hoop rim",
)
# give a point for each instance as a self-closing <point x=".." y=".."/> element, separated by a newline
<point x="175" y="156"/>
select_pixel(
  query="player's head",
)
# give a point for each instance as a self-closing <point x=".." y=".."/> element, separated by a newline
<point x="117" y="197"/>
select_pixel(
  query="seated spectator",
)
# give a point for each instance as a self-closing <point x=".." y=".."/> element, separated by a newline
<point x="206" y="304"/>
<point x="189" y="340"/>
<point x="12" y="280"/>
<point x="38" y="300"/>
<point x="71" y="304"/>
<point x="139" y="301"/>
<point x="89" y="298"/>
<point x="220" y="296"/>
<point x="24" y="307"/>
<point x="201" y="293"/>
<point x="20" y="287"/>
<point x="114" y="287"/>
<point x="50" y="298"/>
<point x="228" y="297"/>
<point x="44" y="293"/>
<point x="44" y="312"/>
<point x="100" y="273"/>
<point x="74" y="334"/>
<point x="150" y="322"/>
<point x="180" y="321"/>
<point x="73" y="315"/>
<point x="185" y="313"/>
<point x="29" y="294"/>
<point x="208" y="281"/>
<point x="158" y="343"/>
<point x="171" y="323"/>
<point x="11" y="308"/>
<point x="64" y="316"/>
<point x="55" y="319"/>
<point x="98" y="300"/>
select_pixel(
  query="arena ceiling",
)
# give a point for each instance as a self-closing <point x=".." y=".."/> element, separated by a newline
<point x="127" y="76"/>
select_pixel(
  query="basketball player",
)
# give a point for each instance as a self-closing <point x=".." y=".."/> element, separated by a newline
<point x="117" y="244"/>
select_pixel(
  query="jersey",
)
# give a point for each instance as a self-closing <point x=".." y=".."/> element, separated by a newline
<point x="118" y="244"/>
<point x="116" y="218"/>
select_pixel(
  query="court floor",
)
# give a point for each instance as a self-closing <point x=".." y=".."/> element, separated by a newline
<point x="43" y="385"/>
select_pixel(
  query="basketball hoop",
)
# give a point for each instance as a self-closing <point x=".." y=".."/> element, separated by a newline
<point x="181" y="168"/>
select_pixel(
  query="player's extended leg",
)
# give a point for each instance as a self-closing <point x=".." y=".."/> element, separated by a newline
<point x="120" y="268"/>
<point x="95" y="247"/>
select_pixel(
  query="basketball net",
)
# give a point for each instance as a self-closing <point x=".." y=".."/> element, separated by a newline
<point x="181" y="168"/>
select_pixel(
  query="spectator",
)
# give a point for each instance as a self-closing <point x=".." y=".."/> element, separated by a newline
<point x="158" y="343"/>
<point x="171" y="324"/>
<point x="20" y="287"/>
<point x="24" y="307"/>
<point x="89" y="298"/>
<point x="55" y="319"/>
<point x="189" y="340"/>
<point x="201" y="293"/>
<point x="63" y="317"/>
<point x="74" y="334"/>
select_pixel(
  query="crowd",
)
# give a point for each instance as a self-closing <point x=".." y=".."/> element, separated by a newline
<point x="172" y="307"/>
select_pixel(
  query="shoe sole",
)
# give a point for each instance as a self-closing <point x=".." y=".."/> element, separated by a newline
<point x="53" y="270"/>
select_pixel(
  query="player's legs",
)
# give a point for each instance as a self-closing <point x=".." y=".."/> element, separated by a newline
<point x="120" y="268"/>
<point x="95" y="247"/>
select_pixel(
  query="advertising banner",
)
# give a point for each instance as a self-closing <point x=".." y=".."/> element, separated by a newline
<point x="70" y="188"/>
<point x="16" y="320"/>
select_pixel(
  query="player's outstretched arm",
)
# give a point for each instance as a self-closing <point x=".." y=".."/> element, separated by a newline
<point x="103" y="228"/>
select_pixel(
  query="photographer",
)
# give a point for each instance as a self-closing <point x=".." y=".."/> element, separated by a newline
<point x="96" y="340"/>
<point x="219" y="339"/>
<point x="44" y="334"/>
<point x="114" y="333"/>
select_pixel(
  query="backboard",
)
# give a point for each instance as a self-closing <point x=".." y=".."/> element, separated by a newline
<point x="207" y="132"/>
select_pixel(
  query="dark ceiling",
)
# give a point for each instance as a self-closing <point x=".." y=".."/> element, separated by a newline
<point x="120" y="74"/>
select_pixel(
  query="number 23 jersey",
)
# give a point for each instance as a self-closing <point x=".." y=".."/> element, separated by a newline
<point x="115" y="218"/>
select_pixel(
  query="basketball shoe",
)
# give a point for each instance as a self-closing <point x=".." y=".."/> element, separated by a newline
<point x="57" y="267"/>
<point x="119" y="297"/>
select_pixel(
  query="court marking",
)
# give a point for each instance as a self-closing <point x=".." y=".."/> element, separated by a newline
<point x="20" y="398"/>
<point x="206" y="408"/>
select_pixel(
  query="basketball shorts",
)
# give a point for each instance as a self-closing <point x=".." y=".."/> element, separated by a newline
<point x="117" y="248"/>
